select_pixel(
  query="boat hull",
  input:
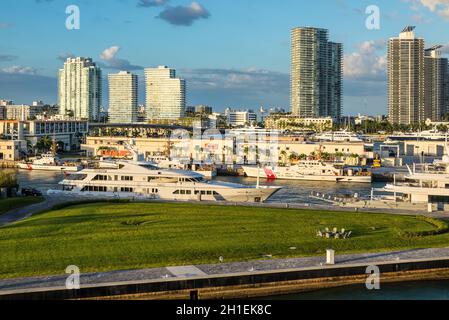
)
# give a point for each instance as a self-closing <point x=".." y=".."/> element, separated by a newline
<point x="37" y="167"/>
<point x="254" y="172"/>
<point x="247" y="195"/>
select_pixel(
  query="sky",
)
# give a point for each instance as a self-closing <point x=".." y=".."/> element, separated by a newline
<point x="232" y="53"/>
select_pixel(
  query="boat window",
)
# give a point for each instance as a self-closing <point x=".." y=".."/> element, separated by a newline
<point x="166" y="180"/>
<point x="94" y="189"/>
<point x="149" y="167"/>
<point x="100" y="177"/>
<point x="76" y="177"/>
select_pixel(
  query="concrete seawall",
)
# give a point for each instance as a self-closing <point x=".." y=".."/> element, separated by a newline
<point x="243" y="285"/>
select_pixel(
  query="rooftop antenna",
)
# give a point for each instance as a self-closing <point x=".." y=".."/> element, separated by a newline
<point x="409" y="29"/>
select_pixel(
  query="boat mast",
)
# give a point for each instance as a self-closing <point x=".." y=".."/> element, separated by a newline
<point x="258" y="176"/>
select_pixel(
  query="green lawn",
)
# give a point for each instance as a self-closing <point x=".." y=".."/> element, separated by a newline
<point x="112" y="236"/>
<point x="14" y="203"/>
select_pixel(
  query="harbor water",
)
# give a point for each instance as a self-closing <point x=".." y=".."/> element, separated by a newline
<point x="419" y="290"/>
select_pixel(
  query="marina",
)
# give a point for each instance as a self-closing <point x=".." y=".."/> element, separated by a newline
<point x="292" y="191"/>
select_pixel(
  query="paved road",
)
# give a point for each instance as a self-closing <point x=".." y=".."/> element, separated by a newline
<point x="23" y="213"/>
<point x="219" y="269"/>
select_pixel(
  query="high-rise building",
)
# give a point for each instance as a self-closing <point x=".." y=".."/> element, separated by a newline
<point x="436" y="84"/>
<point x="335" y="81"/>
<point x="316" y="74"/>
<point x="80" y="89"/>
<point x="166" y="94"/>
<point x="123" y="106"/>
<point x="406" y="78"/>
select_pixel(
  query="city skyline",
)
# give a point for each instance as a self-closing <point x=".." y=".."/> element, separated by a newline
<point x="243" y="65"/>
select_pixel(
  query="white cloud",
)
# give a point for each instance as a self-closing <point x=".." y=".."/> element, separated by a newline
<point x="440" y="7"/>
<point x="109" y="53"/>
<point x="367" y="63"/>
<point x="112" y="62"/>
<point x="19" y="70"/>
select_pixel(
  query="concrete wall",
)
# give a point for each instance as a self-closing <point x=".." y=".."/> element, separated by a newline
<point x="244" y="279"/>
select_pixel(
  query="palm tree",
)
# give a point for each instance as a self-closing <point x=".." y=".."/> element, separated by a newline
<point x="44" y="144"/>
<point x="283" y="154"/>
<point x="29" y="147"/>
<point x="293" y="157"/>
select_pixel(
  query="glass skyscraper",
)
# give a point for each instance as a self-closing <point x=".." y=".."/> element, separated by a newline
<point x="166" y="94"/>
<point x="123" y="105"/>
<point x="80" y="89"/>
<point x="316" y="74"/>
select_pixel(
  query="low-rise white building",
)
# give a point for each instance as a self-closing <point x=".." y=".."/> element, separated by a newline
<point x="68" y="134"/>
<point x="293" y="123"/>
<point x="238" y="118"/>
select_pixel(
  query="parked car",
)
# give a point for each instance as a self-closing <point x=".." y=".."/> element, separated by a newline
<point x="31" y="192"/>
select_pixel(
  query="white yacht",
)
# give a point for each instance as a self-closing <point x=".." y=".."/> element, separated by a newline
<point x="313" y="170"/>
<point x="434" y="135"/>
<point x="339" y="136"/>
<point x="49" y="162"/>
<point x="142" y="180"/>
<point x="428" y="185"/>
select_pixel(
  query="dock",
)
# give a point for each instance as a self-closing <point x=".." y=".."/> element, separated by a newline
<point x="5" y="164"/>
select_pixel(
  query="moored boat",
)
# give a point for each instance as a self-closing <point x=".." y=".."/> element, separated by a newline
<point x="49" y="162"/>
<point x="143" y="180"/>
<point x="313" y="170"/>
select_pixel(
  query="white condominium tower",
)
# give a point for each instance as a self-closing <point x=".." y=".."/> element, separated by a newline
<point x="436" y="84"/>
<point x="406" y="78"/>
<point x="316" y="74"/>
<point x="80" y="89"/>
<point x="166" y="94"/>
<point x="123" y="97"/>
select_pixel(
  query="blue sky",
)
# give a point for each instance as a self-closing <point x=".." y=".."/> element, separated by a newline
<point x="231" y="52"/>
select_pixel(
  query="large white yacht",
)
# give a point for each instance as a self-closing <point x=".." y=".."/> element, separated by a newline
<point x="313" y="170"/>
<point x="339" y="136"/>
<point x="142" y="180"/>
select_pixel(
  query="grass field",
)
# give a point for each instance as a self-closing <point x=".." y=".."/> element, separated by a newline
<point x="111" y="236"/>
<point x="14" y="203"/>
